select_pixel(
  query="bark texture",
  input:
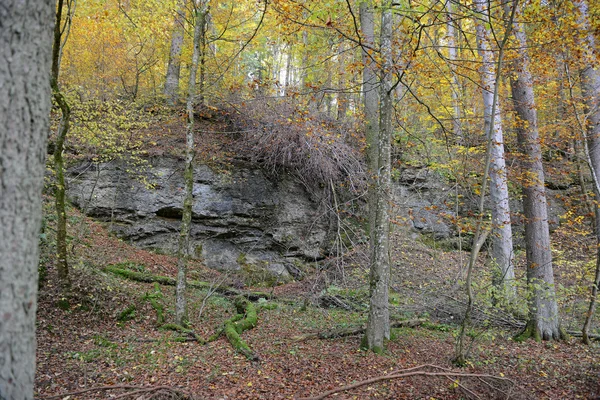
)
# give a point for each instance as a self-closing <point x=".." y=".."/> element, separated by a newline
<point x="543" y="309"/>
<point x="25" y="58"/>
<point x="502" y="248"/>
<point x="378" y="324"/>
<point x="174" y="67"/>
<point x="590" y="87"/>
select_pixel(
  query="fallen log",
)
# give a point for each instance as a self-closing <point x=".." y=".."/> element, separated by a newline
<point x="168" y="281"/>
<point x="355" y="330"/>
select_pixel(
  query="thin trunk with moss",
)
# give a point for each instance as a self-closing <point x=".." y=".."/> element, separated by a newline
<point x="181" y="315"/>
<point x="62" y="264"/>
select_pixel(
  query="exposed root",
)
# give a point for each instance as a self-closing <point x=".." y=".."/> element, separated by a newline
<point x="244" y="320"/>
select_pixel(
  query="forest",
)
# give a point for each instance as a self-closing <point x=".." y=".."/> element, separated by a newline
<point x="277" y="199"/>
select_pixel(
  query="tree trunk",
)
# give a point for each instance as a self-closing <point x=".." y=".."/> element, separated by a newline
<point x="174" y="67"/>
<point x="455" y="87"/>
<point x="62" y="264"/>
<point x="378" y="323"/>
<point x="25" y="60"/>
<point x="342" y="96"/>
<point x="590" y="87"/>
<point x="543" y="309"/>
<point x="370" y="84"/>
<point x="184" y="234"/>
<point x="502" y="249"/>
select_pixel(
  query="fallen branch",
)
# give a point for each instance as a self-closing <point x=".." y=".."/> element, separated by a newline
<point x="168" y="281"/>
<point x="578" y="334"/>
<point x="416" y="371"/>
<point x="355" y="330"/>
<point x="136" y="391"/>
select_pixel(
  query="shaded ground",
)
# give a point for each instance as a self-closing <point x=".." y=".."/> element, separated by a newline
<point x="86" y="346"/>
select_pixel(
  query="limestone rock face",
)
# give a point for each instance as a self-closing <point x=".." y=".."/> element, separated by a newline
<point x="240" y="218"/>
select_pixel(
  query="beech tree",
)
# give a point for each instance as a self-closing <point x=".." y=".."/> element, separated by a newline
<point x="501" y="236"/>
<point x="25" y="58"/>
<point x="590" y="87"/>
<point x="543" y="310"/>
<point x="378" y="323"/>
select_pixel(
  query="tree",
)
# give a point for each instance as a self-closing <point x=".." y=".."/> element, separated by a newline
<point x="452" y="59"/>
<point x="502" y="249"/>
<point x="590" y="88"/>
<point x="25" y="58"/>
<point x="174" y="68"/>
<point x="543" y="310"/>
<point x="62" y="264"/>
<point x="378" y="323"/>
<point x="200" y="11"/>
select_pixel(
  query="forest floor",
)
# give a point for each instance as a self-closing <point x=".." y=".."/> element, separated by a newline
<point x="86" y="345"/>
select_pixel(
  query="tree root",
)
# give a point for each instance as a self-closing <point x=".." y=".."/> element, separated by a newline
<point x="419" y="371"/>
<point x="178" y="328"/>
<point x="356" y="330"/>
<point x="245" y="319"/>
<point x="168" y="281"/>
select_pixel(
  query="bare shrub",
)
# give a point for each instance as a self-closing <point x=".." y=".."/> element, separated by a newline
<point x="282" y="136"/>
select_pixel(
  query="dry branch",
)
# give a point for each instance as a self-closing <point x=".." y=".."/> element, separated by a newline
<point x="355" y="330"/>
<point x="416" y="371"/>
<point x="138" y="391"/>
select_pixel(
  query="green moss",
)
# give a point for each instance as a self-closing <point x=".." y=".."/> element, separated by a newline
<point x="127" y="314"/>
<point x="364" y="343"/>
<point x="377" y="350"/>
<point x="63" y="304"/>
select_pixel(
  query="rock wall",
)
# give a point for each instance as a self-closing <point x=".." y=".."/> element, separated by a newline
<point x="240" y="219"/>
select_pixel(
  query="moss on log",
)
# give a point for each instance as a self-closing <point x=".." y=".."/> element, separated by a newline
<point x="168" y="281"/>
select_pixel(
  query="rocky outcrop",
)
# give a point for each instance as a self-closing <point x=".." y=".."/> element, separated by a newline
<point x="241" y="219"/>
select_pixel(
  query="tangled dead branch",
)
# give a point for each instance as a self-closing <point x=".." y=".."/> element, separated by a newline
<point x="281" y="136"/>
<point x="497" y="384"/>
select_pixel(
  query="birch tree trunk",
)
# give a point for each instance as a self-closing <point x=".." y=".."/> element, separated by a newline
<point x="502" y="247"/>
<point x="378" y="324"/>
<point x="543" y="310"/>
<point x="171" y="91"/>
<point x="25" y="59"/>
<point x="590" y="85"/>
<point x="181" y="315"/>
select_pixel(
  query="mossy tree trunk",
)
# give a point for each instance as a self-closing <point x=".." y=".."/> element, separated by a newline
<point x="59" y="164"/>
<point x="378" y="324"/>
<point x="25" y="60"/>
<point x="184" y="233"/>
